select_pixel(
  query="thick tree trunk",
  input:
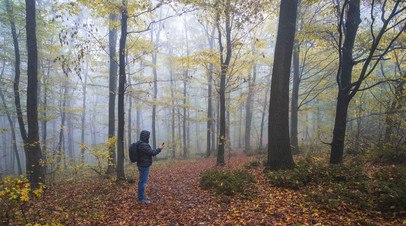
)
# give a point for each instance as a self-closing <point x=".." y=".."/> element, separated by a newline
<point x="345" y="75"/>
<point x="340" y="125"/>
<point x="222" y="136"/>
<point x="112" y="89"/>
<point x="121" y="92"/>
<point x="225" y="62"/>
<point x="35" y="169"/>
<point x="279" y="151"/>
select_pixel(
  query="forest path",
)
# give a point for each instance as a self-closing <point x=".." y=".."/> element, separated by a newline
<point x="176" y="197"/>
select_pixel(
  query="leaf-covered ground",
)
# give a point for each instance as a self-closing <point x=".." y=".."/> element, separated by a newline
<point x="177" y="199"/>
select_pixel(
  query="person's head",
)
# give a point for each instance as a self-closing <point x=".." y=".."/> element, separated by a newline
<point x="144" y="136"/>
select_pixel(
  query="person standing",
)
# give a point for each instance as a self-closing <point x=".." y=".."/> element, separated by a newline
<point x="145" y="153"/>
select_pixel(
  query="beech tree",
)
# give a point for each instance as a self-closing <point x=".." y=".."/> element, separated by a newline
<point x="35" y="167"/>
<point x="279" y="150"/>
<point x="390" y="27"/>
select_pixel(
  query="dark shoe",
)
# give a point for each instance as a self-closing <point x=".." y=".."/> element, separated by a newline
<point x="145" y="201"/>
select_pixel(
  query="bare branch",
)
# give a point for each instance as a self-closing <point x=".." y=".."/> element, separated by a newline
<point x="378" y="83"/>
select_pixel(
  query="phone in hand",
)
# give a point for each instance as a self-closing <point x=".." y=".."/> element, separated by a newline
<point x="163" y="143"/>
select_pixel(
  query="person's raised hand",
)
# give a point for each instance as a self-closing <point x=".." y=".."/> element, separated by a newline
<point x="161" y="146"/>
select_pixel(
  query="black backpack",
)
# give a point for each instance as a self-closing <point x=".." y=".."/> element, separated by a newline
<point x="133" y="152"/>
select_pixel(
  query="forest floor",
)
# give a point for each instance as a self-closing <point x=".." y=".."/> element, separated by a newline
<point x="177" y="199"/>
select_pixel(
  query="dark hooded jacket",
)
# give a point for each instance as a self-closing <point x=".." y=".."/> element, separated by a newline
<point x="145" y="152"/>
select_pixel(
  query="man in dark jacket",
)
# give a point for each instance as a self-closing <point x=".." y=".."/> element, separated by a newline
<point x="145" y="153"/>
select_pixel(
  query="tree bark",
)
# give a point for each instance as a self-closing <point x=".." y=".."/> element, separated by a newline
<point x="279" y="151"/>
<point x="121" y="92"/>
<point x="185" y="110"/>
<point x="294" y="107"/>
<point x="173" y="141"/>
<point x="345" y="75"/>
<point x="225" y="62"/>
<point x="130" y="107"/>
<point x="17" y="71"/>
<point x="248" y="106"/>
<point x="210" y="119"/>
<point x="60" y="147"/>
<point x="83" y="118"/>
<point x="391" y="119"/>
<point x="263" y="118"/>
<point x="112" y="90"/>
<point x="12" y="127"/>
<point x="35" y="168"/>
<point x="45" y="109"/>
<point x="155" y="73"/>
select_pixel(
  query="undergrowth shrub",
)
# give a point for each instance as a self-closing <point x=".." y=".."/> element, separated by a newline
<point x="306" y="171"/>
<point x="389" y="189"/>
<point x="229" y="183"/>
<point x="388" y="153"/>
<point x="255" y="164"/>
<point x="15" y="195"/>
<point x="332" y="186"/>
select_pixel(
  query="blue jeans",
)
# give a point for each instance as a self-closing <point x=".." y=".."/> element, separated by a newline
<point x="142" y="183"/>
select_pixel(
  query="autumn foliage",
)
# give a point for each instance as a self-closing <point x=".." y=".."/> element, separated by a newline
<point x="175" y="189"/>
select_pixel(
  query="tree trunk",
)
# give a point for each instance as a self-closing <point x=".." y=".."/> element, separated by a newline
<point x="240" y="127"/>
<point x="58" y="154"/>
<point x="185" y="111"/>
<point x="35" y="170"/>
<point x="12" y="127"/>
<point x="121" y="92"/>
<point x="345" y="75"/>
<point x="248" y="106"/>
<point x="17" y="71"/>
<point x="173" y="141"/>
<point x="263" y="118"/>
<point x="70" y="134"/>
<point x="279" y="151"/>
<point x="225" y="62"/>
<point x="45" y="108"/>
<point x="340" y="125"/>
<point x="112" y="89"/>
<point x="396" y="105"/>
<point x="294" y="107"/>
<point x="391" y="121"/>
<point x="130" y="107"/>
<point x="83" y="118"/>
<point x="155" y="73"/>
<point x="138" y="132"/>
<point x="209" y="111"/>
<point x="184" y="117"/>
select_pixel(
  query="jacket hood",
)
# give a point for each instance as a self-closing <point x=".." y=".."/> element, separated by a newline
<point x="144" y="136"/>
